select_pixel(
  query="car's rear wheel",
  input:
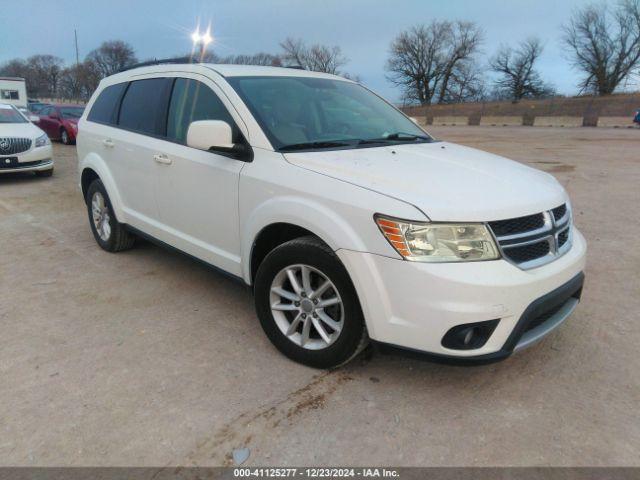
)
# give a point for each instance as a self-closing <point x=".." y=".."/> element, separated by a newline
<point x="64" y="136"/>
<point x="110" y="234"/>
<point x="308" y="306"/>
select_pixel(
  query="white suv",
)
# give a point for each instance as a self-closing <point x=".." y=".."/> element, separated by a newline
<point x="348" y="220"/>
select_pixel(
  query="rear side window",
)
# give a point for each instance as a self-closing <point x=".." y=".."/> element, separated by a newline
<point x="106" y="105"/>
<point x="191" y="101"/>
<point x="144" y="106"/>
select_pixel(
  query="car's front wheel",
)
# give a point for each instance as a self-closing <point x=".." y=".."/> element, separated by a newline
<point x="110" y="234"/>
<point x="308" y="306"/>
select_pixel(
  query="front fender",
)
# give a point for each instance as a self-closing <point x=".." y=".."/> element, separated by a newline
<point x="334" y="230"/>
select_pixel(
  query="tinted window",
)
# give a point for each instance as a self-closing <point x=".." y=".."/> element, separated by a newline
<point x="71" y="112"/>
<point x="105" y="107"/>
<point x="143" y="107"/>
<point x="191" y="101"/>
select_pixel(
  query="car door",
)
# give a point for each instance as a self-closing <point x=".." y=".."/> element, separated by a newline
<point x="54" y="123"/>
<point x="45" y="122"/>
<point x="137" y="138"/>
<point x="197" y="191"/>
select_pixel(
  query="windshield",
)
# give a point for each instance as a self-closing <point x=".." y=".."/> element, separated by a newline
<point x="314" y="113"/>
<point x="8" y="114"/>
<point x="71" y="112"/>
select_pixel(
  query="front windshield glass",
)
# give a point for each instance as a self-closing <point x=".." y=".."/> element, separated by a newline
<point x="8" y="114"/>
<point x="71" y="112"/>
<point x="313" y="113"/>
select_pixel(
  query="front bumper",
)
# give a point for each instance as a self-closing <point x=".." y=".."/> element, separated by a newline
<point x="413" y="305"/>
<point x="33" y="160"/>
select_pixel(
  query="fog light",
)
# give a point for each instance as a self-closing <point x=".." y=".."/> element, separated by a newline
<point x="469" y="336"/>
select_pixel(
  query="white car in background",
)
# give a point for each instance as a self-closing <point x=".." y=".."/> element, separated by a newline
<point x="349" y="221"/>
<point x="23" y="146"/>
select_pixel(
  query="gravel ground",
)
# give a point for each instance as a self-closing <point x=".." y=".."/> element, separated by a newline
<point x="148" y="358"/>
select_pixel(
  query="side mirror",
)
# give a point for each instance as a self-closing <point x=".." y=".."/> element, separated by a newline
<point x="34" y="118"/>
<point x="210" y="134"/>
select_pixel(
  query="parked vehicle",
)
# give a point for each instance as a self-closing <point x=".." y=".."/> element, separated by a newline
<point x="60" y="122"/>
<point x="348" y="220"/>
<point x="636" y="119"/>
<point x="13" y="91"/>
<point x="35" y="107"/>
<point x="23" y="146"/>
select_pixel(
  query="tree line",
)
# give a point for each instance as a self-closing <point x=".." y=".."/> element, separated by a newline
<point x="437" y="62"/>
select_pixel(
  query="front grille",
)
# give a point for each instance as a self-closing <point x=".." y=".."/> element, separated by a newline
<point x="543" y="318"/>
<point x="517" y="225"/>
<point x="534" y="240"/>
<point x="559" y="212"/>
<point x="12" y="145"/>
<point x="563" y="237"/>
<point x="526" y="253"/>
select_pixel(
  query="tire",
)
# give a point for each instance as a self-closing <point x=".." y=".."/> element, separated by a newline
<point x="115" y="238"/>
<point x="44" y="173"/>
<point x="344" y="337"/>
<point x="64" y="137"/>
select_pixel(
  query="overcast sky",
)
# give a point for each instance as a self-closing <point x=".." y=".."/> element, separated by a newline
<point x="363" y="29"/>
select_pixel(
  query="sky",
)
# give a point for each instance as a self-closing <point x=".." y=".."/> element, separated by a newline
<point x="362" y="29"/>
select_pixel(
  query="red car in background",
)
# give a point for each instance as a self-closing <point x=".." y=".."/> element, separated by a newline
<point x="60" y="122"/>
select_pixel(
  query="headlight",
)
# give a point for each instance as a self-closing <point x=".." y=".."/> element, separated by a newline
<point x="42" y="141"/>
<point x="439" y="242"/>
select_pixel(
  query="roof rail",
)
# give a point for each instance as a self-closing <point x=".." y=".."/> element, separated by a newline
<point x="296" y="67"/>
<point x="157" y="61"/>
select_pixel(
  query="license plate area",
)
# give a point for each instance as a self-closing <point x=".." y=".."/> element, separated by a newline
<point x="9" y="162"/>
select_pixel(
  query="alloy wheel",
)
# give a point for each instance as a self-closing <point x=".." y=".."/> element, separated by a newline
<point x="101" y="217"/>
<point x="306" y="306"/>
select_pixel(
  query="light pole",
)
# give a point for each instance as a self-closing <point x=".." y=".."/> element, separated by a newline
<point x="201" y="40"/>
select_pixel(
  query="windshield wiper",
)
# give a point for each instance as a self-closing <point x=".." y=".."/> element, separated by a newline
<point x="310" y="145"/>
<point x="394" y="137"/>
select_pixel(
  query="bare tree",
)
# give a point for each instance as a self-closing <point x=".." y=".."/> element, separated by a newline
<point x="467" y="84"/>
<point x="255" y="59"/>
<point x="604" y="44"/>
<point x="78" y="82"/>
<point x="426" y="59"/>
<point x="465" y="39"/>
<point x="111" y="57"/>
<point x="518" y="78"/>
<point x="318" y="58"/>
<point x="41" y="73"/>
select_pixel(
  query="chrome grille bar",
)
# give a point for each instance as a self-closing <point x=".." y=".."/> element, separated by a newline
<point x="14" y="145"/>
<point x="533" y="248"/>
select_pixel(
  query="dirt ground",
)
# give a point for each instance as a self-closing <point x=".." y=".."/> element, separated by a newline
<point x="148" y="358"/>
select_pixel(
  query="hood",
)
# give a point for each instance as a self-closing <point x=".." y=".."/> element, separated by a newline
<point x="26" y="130"/>
<point x="447" y="182"/>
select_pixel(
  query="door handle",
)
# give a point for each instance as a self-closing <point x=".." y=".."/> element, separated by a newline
<point x="108" y="143"/>
<point x="163" y="159"/>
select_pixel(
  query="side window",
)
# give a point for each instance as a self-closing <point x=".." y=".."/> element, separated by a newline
<point x="144" y="106"/>
<point x="106" y="105"/>
<point x="191" y="101"/>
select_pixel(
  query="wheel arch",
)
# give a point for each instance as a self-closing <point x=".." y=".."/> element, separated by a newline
<point x="279" y="220"/>
<point x="93" y="167"/>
